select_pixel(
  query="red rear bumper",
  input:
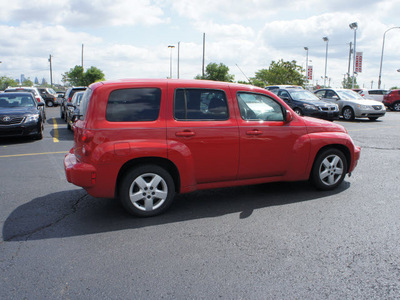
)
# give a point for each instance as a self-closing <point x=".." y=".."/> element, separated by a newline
<point x="80" y="174"/>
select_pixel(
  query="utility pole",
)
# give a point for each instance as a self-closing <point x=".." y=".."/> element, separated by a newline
<point x="82" y="56"/>
<point x="348" y="69"/>
<point x="179" y="48"/>
<point x="204" y="51"/>
<point x="51" y="72"/>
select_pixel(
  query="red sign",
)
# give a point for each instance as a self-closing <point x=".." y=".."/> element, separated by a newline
<point x="309" y="72"/>
<point x="359" y="56"/>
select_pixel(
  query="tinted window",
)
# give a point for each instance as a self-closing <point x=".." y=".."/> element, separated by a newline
<point x="200" y="104"/>
<point x="259" y="107"/>
<point x="85" y="103"/>
<point x="134" y="105"/>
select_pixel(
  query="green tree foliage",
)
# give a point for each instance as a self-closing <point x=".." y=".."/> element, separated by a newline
<point x="348" y="81"/>
<point x="217" y="72"/>
<point x="281" y="72"/>
<point x="5" y="82"/>
<point x="78" y="77"/>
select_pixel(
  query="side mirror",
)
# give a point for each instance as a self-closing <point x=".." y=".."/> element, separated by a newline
<point x="289" y="116"/>
<point x="285" y="98"/>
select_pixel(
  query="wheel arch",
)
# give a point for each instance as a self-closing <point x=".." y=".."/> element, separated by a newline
<point x="340" y="147"/>
<point x="158" y="161"/>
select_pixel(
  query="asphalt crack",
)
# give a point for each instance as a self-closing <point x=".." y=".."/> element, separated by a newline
<point x="74" y="209"/>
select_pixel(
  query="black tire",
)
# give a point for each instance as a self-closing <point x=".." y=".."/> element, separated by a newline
<point x="298" y="111"/>
<point x="396" y="106"/>
<point x="155" y="194"/>
<point x="69" y="126"/>
<point x="329" y="169"/>
<point x="49" y="103"/>
<point x="348" y="113"/>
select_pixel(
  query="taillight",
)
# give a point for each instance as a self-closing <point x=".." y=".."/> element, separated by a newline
<point x="86" y="137"/>
<point x="69" y="99"/>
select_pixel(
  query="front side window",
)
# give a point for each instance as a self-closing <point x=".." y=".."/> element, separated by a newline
<point x="200" y="104"/>
<point x="258" y="107"/>
<point x="134" y="105"/>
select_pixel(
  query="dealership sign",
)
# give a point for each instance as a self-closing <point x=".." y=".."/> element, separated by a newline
<point x="359" y="56"/>
<point x="309" y="72"/>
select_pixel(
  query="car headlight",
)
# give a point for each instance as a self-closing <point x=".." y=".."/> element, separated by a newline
<point x="360" y="106"/>
<point x="310" y="106"/>
<point x="32" y="118"/>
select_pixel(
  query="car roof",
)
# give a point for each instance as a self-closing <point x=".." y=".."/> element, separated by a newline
<point x="16" y="94"/>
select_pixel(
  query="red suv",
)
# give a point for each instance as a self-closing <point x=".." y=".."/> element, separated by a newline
<point x="392" y="100"/>
<point x="142" y="141"/>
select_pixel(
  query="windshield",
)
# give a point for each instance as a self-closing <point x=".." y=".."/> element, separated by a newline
<point x="16" y="101"/>
<point x="349" y="95"/>
<point x="51" y="91"/>
<point x="303" y="95"/>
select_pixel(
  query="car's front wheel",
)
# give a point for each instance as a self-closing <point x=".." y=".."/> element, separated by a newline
<point x="329" y="169"/>
<point x="396" y="106"/>
<point x="348" y="113"/>
<point x="147" y="190"/>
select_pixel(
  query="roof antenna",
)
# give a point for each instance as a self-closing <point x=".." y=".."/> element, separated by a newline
<point x="244" y="74"/>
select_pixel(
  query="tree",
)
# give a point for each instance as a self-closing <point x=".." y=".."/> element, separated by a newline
<point x="78" y="77"/>
<point x="91" y="75"/>
<point x="217" y="72"/>
<point x="5" y="82"/>
<point x="348" y="82"/>
<point x="281" y="72"/>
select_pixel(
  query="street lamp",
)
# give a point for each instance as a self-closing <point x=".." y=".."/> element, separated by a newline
<point x="306" y="48"/>
<point x="354" y="26"/>
<point x="325" y="38"/>
<point x="383" y="45"/>
<point x="170" y="61"/>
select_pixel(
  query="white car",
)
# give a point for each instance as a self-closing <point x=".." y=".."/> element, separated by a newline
<point x="352" y="105"/>
<point x="373" y="94"/>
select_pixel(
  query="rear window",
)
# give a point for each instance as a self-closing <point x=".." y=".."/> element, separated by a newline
<point x="134" y="105"/>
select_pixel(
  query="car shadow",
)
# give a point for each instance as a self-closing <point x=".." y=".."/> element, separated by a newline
<point x="75" y="213"/>
<point x="6" y="141"/>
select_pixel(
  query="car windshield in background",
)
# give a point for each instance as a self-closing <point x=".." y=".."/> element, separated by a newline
<point x="16" y="101"/>
<point x="349" y="95"/>
<point x="303" y="95"/>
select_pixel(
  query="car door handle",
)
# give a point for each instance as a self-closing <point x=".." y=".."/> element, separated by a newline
<point x="185" y="133"/>
<point x="254" y="132"/>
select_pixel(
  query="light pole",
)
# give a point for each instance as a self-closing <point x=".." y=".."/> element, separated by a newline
<point x="306" y="48"/>
<point x="383" y="45"/>
<point x="325" y="38"/>
<point x="170" y="61"/>
<point x="354" y="26"/>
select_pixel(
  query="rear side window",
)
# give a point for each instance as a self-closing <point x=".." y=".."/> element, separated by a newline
<point x="134" y="105"/>
<point x="200" y="104"/>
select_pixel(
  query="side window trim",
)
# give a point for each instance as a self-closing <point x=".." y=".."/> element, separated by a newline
<point x="185" y="92"/>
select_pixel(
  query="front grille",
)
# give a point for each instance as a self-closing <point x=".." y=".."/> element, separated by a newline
<point x="11" y="121"/>
<point x="377" y="107"/>
<point x="330" y="108"/>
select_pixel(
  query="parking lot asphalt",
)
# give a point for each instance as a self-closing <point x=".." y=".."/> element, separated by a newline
<point x="269" y="241"/>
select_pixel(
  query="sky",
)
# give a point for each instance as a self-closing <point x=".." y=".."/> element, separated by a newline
<point x="130" y="38"/>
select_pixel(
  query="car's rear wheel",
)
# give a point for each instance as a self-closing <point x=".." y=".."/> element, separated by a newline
<point x="147" y="190"/>
<point x="396" y="106"/>
<point x="49" y="103"/>
<point x="329" y="169"/>
<point x="348" y="113"/>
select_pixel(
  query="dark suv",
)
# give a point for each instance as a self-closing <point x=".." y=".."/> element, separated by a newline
<point x="392" y="100"/>
<point x="305" y="103"/>
<point x="49" y="96"/>
<point x="67" y="99"/>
